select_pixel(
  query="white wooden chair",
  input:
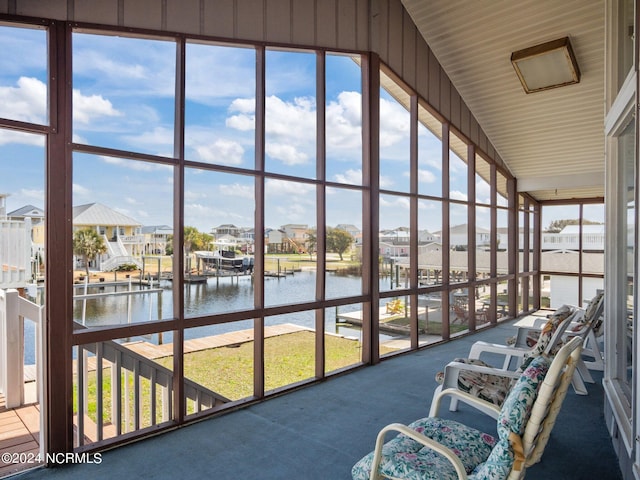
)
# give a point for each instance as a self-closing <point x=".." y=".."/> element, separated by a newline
<point x="492" y="384"/>
<point x="439" y="449"/>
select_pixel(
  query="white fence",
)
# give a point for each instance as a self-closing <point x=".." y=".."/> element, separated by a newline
<point x="14" y="310"/>
<point x="15" y="253"/>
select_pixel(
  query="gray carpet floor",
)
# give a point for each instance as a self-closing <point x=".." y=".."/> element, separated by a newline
<point x="320" y="431"/>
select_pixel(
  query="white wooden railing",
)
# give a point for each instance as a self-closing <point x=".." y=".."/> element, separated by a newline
<point x="14" y="310"/>
<point x="15" y="253"/>
<point x="141" y="389"/>
<point x="141" y="392"/>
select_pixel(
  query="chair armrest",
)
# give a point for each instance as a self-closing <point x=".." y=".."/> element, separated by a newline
<point x="418" y="437"/>
<point x="485" y="407"/>
<point x="452" y="371"/>
<point x="479" y="347"/>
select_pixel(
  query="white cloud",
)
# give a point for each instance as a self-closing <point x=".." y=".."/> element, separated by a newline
<point x="238" y="190"/>
<point x="386" y="182"/>
<point x="283" y="187"/>
<point x="344" y="122"/>
<point x="394" y="123"/>
<point x="87" y="109"/>
<point x="14" y="137"/>
<point x="80" y="190"/>
<point x="225" y="152"/>
<point x="135" y="165"/>
<point x="351" y="177"/>
<point x="457" y="195"/>
<point x="286" y="153"/>
<point x="26" y="102"/>
<point x="425" y="176"/>
<point x="32" y="193"/>
<point x="131" y="201"/>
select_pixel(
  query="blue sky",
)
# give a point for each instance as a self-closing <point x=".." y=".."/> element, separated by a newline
<point x="123" y="96"/>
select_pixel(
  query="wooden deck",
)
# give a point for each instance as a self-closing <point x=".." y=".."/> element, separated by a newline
<point x="19" y="434"/>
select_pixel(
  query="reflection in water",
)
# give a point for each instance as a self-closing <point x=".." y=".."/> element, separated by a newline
<point x="217" y="295"/>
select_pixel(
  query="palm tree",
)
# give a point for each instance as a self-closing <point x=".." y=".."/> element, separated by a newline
<point x="88" y="244"/>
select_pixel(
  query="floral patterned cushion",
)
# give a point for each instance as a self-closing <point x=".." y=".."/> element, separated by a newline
<point x="490" y="388"/>
<point x="513" y="418"/>
<point x="405" y="458"/>
<point x="482" y="456"/>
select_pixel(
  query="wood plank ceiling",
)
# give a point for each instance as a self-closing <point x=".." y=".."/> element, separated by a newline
<point x="552" y="141"/>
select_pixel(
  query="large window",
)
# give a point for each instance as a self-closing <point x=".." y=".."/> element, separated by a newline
<point x="230" y="233"/>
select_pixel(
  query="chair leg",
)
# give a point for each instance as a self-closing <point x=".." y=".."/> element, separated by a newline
<point x="578" y="384"/>
<point x="584" y="372"/>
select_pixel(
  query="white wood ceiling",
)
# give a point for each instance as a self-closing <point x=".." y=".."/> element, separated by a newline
<point x="552" y="141"/>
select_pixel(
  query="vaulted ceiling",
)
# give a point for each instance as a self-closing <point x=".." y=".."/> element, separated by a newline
<point x="552" y="141"/>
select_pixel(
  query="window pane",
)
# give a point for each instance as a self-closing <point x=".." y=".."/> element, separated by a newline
<point x="503" y="242"/>
<point x="23" y="74"/>
<point x="109" y="212"/>
<point x="593" y="229"/>
<point x="458" y="169"/>
<point x="625" y="31"/>
<point x="343" y="243"/>
<point x="218" y="363"/>
<point x="290" y="119"/>
<point x="124" y="93"/>
<point x="626" y="152"/>
<point x="430" y="317"/>
<point x="394" y="241"/>
<point x="459" y="239"/>
<point x="343" y="336"/>
<point x="430" y="243"/>
<point x="394" y="139"/>
<point x="220" y="105"/>
<point x="218" y="242"/>
<point x="343" y="119"/>
<point x="429" y="154"/>
<point x="290" y="210"/>
<point x="289" y="355"/>
<point x="483" y="178"/>
<point x="483" y="242"/>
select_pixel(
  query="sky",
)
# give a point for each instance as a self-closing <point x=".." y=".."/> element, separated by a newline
<point x="123" y="98"/>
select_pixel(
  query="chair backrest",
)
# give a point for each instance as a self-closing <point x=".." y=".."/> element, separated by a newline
<point x="591" y="320"/>
<point x="530" y="447"/>
<point x="551" y="335"/>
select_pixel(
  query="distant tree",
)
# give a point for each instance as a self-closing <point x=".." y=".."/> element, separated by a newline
<point x="312" y="242"/>
<point x="196" y="240"/>
<point x="556" y="226"/>
<point x="88" y="244"/>
<point x="338" y="241"/>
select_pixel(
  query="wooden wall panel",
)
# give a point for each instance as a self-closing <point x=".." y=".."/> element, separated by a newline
<point x="326" y="23"/>
<point x="96" y="11"/>
<point x="250" y="20"/>
<point x="445" y="95"/>
<point x="434" y="81"/>
<point x="422" y="68"/>
<point x="56" y="9"/>
<point x="379" y="42"/>
<point x="184" y="16"/>
<point x="362" y="25"/>
<point x="4" y="6"/>
<point x="394" y="54"/>
<point x="465" y="115"/>
<point x="278" y="21"/>
<point x="303" y="22"/>
<point x="409" y="34"/>
<point x="143" y="14"/>
<point x="455" y="109"/>
<point x="474" y="130"/>
<point x="219" y="18"/>
<point x="347" y="24"/>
